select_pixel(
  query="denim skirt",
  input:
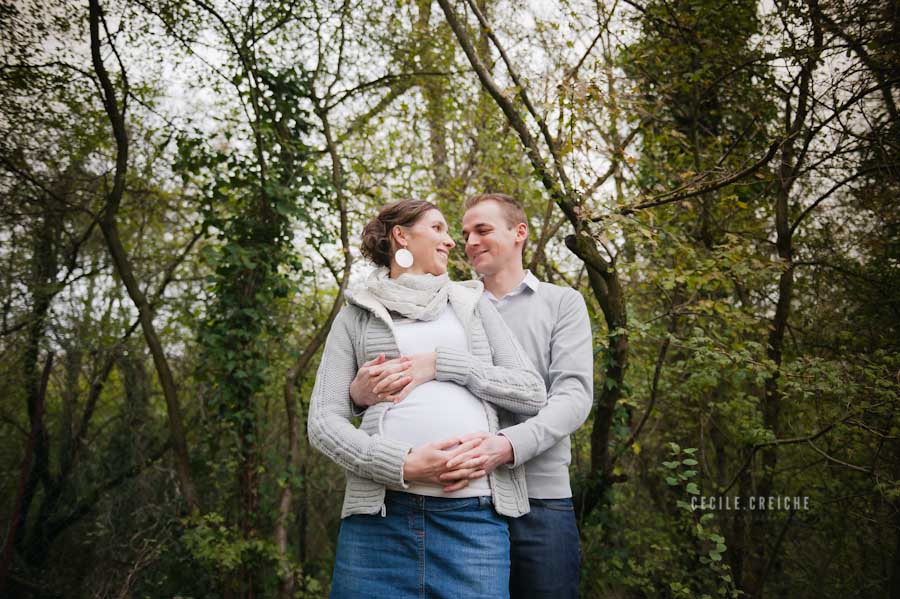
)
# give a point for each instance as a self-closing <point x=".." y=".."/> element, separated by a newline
<point x="422" y="547"/>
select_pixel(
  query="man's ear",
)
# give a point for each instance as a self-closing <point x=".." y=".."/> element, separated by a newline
<point x="522" y="232"/>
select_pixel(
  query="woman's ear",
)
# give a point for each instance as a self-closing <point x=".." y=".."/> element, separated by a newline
<point x="398" y="237"/>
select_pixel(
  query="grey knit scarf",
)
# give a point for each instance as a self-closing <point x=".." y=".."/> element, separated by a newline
<point x="420" y="297"/>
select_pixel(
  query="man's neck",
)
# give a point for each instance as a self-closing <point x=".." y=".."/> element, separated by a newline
<point x="505" y="280"/>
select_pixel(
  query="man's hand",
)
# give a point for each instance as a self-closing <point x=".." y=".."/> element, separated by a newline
<point x="481" y="460"/>
<point x="391" y="375"/>
<point x="422" y="368"/>
<point x="426" y="463"/>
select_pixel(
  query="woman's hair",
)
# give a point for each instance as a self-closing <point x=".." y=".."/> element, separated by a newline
<point x="376" y="235"/>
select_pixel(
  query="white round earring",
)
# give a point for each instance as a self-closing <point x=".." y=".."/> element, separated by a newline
<point x="403" y="257"/>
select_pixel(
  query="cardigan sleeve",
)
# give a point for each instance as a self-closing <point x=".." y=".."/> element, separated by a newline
<point x="510" y="382"/>
<point x="329" y="425"/>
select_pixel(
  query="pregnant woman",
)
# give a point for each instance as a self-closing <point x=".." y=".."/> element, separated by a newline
<point x="404" y="532"/>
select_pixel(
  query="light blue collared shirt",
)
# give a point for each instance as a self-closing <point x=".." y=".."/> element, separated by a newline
<point x="529" y="282"/>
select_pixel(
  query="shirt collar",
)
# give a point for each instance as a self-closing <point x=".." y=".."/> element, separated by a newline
<point x="529" y="282"/>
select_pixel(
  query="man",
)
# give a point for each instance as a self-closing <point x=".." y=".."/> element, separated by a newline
<point x="552" y="324"/>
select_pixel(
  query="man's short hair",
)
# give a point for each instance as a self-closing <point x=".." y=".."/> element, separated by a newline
<point x="513" y="213"/>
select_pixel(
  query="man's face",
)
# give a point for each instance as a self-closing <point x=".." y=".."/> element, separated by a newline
<point x="491" y="244"/>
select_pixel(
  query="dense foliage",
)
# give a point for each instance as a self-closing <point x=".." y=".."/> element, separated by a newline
<point x="183" y="186"/>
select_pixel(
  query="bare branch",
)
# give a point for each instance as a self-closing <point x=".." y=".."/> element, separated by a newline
<point x="685" y="192"/>
<point x="858" y="174"/>
<point x="788" y="441"/>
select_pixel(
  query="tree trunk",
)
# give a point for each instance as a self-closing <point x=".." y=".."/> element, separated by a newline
<point x="35" y="462"/>
<point x="433" y="89"/>
<point x="123" y="267"/>
<point x="299" y="370"/>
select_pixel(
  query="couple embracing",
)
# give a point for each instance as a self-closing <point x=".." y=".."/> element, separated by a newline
<point x="457" y="476"/>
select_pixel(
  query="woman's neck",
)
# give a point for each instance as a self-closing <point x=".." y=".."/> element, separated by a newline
<point x="396" y="271"/>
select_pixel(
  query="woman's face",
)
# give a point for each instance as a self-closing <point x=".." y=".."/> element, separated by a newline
<point x="428" y="241"/>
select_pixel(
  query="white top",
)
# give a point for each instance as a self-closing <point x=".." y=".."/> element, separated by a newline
<point x="435" y="410"/>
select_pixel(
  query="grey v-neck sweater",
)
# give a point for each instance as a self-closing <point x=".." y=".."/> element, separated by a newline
<point x="551" y="322"/>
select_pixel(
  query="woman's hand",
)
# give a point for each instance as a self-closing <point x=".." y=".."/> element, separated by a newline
<point x="390" y="375"/>
<point x="422" y="368"/>
<point x="426" y="463"/>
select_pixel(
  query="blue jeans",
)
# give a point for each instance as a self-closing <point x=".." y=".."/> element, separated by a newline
<point x="545" y="552"/>
<point x="423" y="547"/>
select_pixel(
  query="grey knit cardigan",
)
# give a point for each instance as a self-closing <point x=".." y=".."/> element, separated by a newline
<point x="495" y="369"/>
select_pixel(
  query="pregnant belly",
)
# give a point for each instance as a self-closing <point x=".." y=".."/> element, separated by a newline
<point x="434" y="411"/>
